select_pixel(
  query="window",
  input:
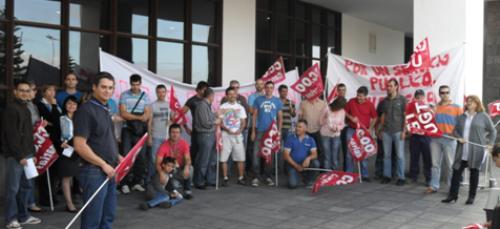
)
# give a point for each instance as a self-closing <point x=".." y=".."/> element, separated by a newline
<point x="302" y="36"/>
<point x="169" y="60"/>
<point x="42" y="11"/>
<point x="178" y="39"/>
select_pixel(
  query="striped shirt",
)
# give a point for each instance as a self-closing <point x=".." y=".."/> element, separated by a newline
<point x="287" y="114"/>
<point x="446" y="116"/>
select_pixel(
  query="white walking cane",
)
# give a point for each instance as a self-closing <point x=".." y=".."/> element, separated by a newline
<point x="50" y="191"/>
<point x="217" y="173"/>
<point x="86" y="204"/>
<point x="276" y="167"/>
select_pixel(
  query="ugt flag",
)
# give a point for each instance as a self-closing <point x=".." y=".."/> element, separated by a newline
<point x="421" y="57"/>
<point x="124" y="167"/>
<point x="270" y="143"/>
<point x="420" y="120"/>
<point x="494" y="108"/>
<point x="362" y="145"/>
<point x="46" y="154"/>
<point x="276" y="72"/>
<point x="333" y="178"/>
<point x="474" y="226"/>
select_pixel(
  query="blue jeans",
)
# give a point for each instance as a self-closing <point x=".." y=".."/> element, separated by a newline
<point x="206" y="161"/>
<point x="294" y="178"/>
<point x="17" y="191"/>
<point x="100" y="213"/>
<point x="152" y="157"/>
<point x="442" y="149"/>
<point x="256" y="159"/>
<point x="331" y="146"/>
<point x="388" y="139"/>
<point x="284" y="137"/>
<point x="349" y="160"/>
<point x="161" y="197"/>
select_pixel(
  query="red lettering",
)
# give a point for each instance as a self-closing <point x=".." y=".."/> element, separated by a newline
<point x="373" y="82"/>
<point x="380" y="70"/>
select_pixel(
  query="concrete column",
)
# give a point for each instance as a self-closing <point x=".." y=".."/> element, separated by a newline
<point x="238" y="38"/>
<point x="448" y="23"/>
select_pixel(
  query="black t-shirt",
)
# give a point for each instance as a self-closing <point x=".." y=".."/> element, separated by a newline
<point x="192" y="103"/>
<point x="93" y="121"/>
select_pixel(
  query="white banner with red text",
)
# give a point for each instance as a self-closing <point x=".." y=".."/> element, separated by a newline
<point x="447" y="68"/>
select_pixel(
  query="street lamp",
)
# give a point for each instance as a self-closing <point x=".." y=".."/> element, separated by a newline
<point x="52" y="39"/>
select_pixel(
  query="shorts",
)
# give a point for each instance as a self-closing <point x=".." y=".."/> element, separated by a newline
<point x="232" y="145"/>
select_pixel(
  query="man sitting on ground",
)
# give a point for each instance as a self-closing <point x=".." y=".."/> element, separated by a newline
<point x="300" y="153"/>
<point x="163" y="194"/>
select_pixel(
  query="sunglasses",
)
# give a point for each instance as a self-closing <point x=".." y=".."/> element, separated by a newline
<point x="444" y="92"/>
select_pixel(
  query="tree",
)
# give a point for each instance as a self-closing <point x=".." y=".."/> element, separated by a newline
<point x="18" y="69"/>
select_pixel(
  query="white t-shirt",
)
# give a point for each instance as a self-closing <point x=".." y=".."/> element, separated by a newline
<point x="161" y="114"/>
<point x="232" y="115"/>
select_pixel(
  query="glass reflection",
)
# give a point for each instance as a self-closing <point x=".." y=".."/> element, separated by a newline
<point x="169" y="60"/>
<point x="316" y="41"/>
<point x="264" y="22"/>
<point x="171" y="19"/>
<point x="133" y="16"/>
<point x="134" y="50"/>
<point x="43" y="11"/>
<point x="203" y="13"/>
<point x="203" y="64"/>
<point x="39" y="54"/>
<point x="91" y="14"/>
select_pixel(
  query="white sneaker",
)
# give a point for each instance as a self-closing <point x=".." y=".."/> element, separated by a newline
<point x="270" y="182"/>
<point x="138" y="188"/>
<point x="14" y="224"/>
<point x="31" y="220"/>
<point x="255" y="182"/>
<point x="125" y="189"/>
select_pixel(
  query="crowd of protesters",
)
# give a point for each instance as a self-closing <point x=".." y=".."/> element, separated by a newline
<point x="314" y="134"/>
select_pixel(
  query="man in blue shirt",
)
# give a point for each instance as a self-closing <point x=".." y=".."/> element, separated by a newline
<point x="300" y="153"/>
<point x="266" y="109"/>
<point x="70" y="83"/>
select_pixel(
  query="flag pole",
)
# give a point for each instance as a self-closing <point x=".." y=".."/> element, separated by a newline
<point x="217" y="172"/>
<point x="359" y="169"/>
<point x="276" y="167"/>
<point x="496" y="124"/>
<point x="50" y="191"/>
<point x="472" y="143"/>
<point x="87" y="203"/>
<point x="317" y="169"/>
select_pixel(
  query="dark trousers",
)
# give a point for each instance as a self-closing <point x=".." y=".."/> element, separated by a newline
<point x="319" y="147"/>
<point x="43" y="187"/>
<point x="345" y="148"/>
<point x="138" y="173"/>
<point x="193" y="149"/>
<point x="420" y="145"/>
<point x="457" y="176"/>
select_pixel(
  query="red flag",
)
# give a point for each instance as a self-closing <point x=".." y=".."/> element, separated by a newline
<point x="218" y="139"/>
<point x="46" y="154"/>
<point x="270" y="143"/>
<point x="180" y="117"/>
<point x="310" y="84"/>
<point x="494" y="108"/>
<point x="332" y="95"/>
<point x="421" y="57"/>
<point x="362" y="145"/>
<point x="276" y="72"/>
<point x="126" y="164"/>
<point x="474" y="226"/>
<point x="420" y="120"/>
<point x="333" y="178"/>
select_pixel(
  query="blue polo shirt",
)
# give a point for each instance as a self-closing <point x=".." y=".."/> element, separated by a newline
<point x="299" y="150"/>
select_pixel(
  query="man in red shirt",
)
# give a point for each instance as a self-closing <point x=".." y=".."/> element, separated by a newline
<point x="360" y="111"/>
<point x="177" y="148"/>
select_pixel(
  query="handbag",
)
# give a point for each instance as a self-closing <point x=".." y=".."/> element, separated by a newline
<point x="137" y="127"/>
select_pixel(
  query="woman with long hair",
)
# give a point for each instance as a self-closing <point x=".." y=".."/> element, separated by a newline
<point x="473" y="126"/>
<point x="332" y="122"/>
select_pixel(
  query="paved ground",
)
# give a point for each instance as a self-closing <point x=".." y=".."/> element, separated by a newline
<point x="367" y="205"/>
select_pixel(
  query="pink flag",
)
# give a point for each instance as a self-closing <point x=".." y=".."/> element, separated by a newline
<point x="420" y="120"/>
<point x="276" y="72"/>
<point x="126" y="164"/>
<point x="46" y="154"/>
<point x="270" y="143"/>
<point x="362" y="145"/>
<point x="474" y="226"/>
<point x="333" y="178"/>
<point x="310" y="84"/>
